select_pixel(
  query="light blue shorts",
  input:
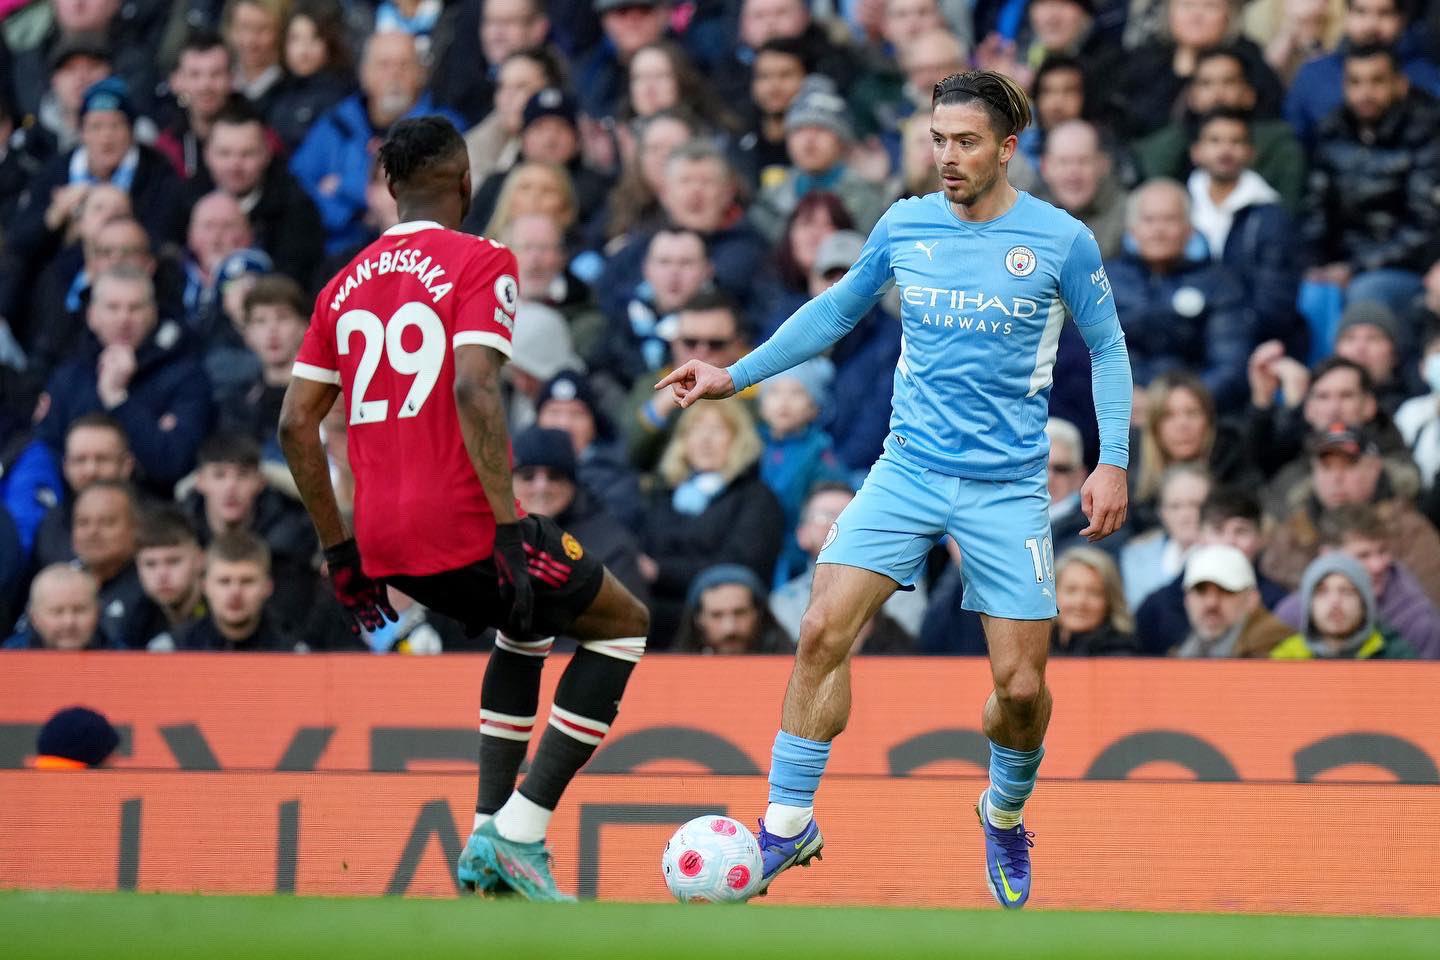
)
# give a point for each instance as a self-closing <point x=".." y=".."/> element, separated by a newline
<point x="1001" y="526"/>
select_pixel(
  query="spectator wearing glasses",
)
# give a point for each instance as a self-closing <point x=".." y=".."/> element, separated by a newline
<point x="1066" y="474"/>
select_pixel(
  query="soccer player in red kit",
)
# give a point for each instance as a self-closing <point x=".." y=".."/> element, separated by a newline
<point x="414" y="331"/>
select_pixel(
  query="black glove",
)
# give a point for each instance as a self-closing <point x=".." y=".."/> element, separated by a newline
<point x="364" y="599"/>
<point x="512" y="570"/>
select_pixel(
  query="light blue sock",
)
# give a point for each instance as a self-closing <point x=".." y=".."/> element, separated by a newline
<point x="796" y="765"/>
<point x="1012" y="776"/>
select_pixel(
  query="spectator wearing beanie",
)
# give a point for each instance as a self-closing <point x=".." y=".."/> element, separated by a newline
<point x="1371" y="335"/>
<point x="569" y="403"/>
<point x="726" y="612"/>
<point x="73" y="739"/>
<point x="546" y="483"/>
<point x="818" y="136"/>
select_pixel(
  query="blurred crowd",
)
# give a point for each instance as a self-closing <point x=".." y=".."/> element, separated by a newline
<point x="179" y="177"/>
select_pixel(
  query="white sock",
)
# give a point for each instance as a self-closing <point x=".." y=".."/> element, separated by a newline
<point x="522" y="820"/>
<point x="1003" y="819"/>
<point x="480" y="820"/>
<point x="786" y="821"/>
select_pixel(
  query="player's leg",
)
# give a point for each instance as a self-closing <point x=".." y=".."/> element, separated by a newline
<point x="879" y="542"/>
<point x="1004" y="536"/>
<point x="578" y="597"/>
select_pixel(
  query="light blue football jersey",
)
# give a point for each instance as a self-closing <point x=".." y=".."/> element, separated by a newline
<point x="981" y="309"/>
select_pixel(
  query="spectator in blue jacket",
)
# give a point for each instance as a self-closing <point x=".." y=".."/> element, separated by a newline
<point x="1317" y="89"/>
<point x="140" y="371"/>
<point x="335" y="159"/>
<point x="1243" y="220"/>
<point x="1179" y="311"/>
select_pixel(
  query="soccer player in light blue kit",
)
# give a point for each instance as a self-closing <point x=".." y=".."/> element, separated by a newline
<point x="986" y="275"/>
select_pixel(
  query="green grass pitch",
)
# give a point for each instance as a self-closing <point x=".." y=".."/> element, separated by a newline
<point x="121" y="926"/>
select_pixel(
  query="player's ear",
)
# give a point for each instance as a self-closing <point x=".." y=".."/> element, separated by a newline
<point x="1007" y="148"/>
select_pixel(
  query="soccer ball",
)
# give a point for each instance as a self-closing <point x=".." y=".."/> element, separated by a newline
<point x="712" y="859"/>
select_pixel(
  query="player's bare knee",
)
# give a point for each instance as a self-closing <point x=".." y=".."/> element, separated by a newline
<point x="1021" y="690"/>
<point x="824" y="639"/>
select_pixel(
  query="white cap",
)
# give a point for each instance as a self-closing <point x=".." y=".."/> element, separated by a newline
<point x="1222" y="565"/>
<point x="541" y="345"/>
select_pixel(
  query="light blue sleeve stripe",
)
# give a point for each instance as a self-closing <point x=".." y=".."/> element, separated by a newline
<point x="824" y="320"/>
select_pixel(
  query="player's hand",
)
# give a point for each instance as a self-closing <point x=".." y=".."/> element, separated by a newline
<point x="695" y="380"/>
<point x="512" y="571"/>
<point x="364" y="599"/>
<point x="1104" y="500"/>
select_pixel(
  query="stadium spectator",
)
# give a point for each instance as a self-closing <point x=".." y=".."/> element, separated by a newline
<point x="240" y="160"/>
<point x="125" y="30"/>
<point x="141" y="373"/>
<point x="927" y="56"/>
<point x="549" y="134"/>
<point x="107" y="153"/>
<point x="1059" y="93"/>
<point x="725" y="613"/>
<point x="533" y="187"/>
<point x="1178" y="309"/>
<point x="1065" y="475"/>
<point x="661" y="76"/>
<point x="1418" y="419"/>
<point x="31" y="485"/>
<point x="676" y="269"/>
<point x="1078" y="178"/>
<point x="96" y="448"/>
<point x="1230" y="516"/>
<point x="764" y="20"/>
<point x="220" y="325"/>
<point x="201" y="83"/>
<point x="777" y="75"/>
<point x="1152" y="559"/>
<point x="1065" y="28"/>
<point x="1181" y="427"/>
<point x="1244" y="224"/>
<point x="1225" y="614"/>
<point x="698" y="193"/>
<point x="539" y="247"/>
<point x="27" y="149"/>
<point x="798" y="453"/>
<point x="548" y="482"/>
<point x="171" y="565"/>
<point x="275" y="315"/>
<point x="818" y="139"/>
<point x="104" y="543"/>
<point x="1154" y="76"/>
<point x="75" y="738"/>
<point x="1318" y="88"/>
<point x="237" y="585"/>
<point x="319" y="72"/>
<point x="708" y="327"/>
<point x="568" y="403"/>
<point x="333" y="162"/>
<point x="1370" y="222"/>
<point x="905" y="609"/>
<point x="815" y="217"/>
<point x="1294" y="32"/>
<point x="540" y="350"/>
<point x="1093" y="620"/>
<point x="494" y="143"/>
<point x="1222" y="82"/>
<point x="628" y="25"/>
<point x="1346" y="468"/>
<point x="633" y="207"/>
<point x="77" y="62"/>
<point x="709" y="507"/>
<point x="252" y="29"/>
<point x="218" y="227"/>
<point x="63" y="613"/>
<point x="1289" y="402"/>
<point x="1370" y="336"/>
<point x="1400" y="601"/>
<point x="1340" y="616"/>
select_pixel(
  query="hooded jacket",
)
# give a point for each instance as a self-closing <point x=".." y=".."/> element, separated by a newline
<point x="1403" y="606"/>
<point x="1366" y="642"/>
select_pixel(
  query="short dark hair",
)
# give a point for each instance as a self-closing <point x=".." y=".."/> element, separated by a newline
<point x="1229" y="52"/>
<point x="165" y="525"/>
<point x="1351" y="520"/>
<point x="829" y="486"/>
<point x="1055" y="63"/>
<point x="98" y="421"/>
<point x="1230" y="503"/>
<point x="1228" y="114"/>
<point x="240" y="546"/>
<point x="1004" y="100"/>
<point x="1365" y="51"/>
<point x="200" y="40"/>
<point x="711" y="298"/>
<point x="237" y="111"/>
<point x="276" y="290"/>
<point x="415" y="145"/>
<point x="230" y="447"/>
<point x="550" y="65"/>
<point x="1330" y="364"/>
<point x="793" y="47"/>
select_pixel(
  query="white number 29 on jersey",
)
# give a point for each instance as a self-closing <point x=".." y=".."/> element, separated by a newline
<point x="423" y="364"/>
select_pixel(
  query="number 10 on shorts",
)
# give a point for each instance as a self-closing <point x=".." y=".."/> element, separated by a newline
<point x="1042" y="554"/>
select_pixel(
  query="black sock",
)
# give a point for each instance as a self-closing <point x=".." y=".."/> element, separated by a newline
<point x="586" y="702"/>
<point x="509" y="701"/>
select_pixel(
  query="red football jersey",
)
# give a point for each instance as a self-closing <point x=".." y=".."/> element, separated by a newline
<point x="385" y="329"/>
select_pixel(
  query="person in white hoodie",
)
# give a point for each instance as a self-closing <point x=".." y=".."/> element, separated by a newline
<point x="1244" y="221"/>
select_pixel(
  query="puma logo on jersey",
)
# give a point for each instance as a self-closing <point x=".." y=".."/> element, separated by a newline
<point x="929" y="250"/>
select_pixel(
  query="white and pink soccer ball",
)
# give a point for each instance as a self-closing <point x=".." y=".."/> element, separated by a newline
<point x="712" y="859"/>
